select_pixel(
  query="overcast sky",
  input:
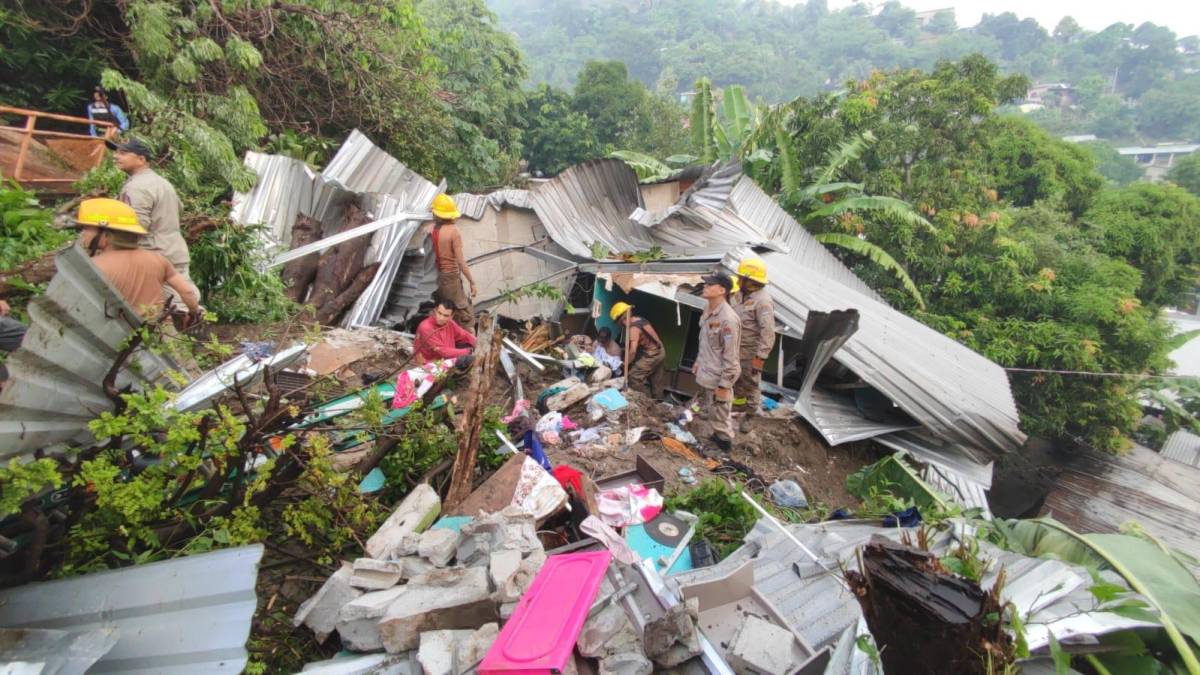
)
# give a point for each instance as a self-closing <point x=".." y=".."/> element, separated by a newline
<point x="1181" y="16"/>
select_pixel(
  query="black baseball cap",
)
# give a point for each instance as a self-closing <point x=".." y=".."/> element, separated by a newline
<point x="135" y="145"/>
<point x="719" y="279"/>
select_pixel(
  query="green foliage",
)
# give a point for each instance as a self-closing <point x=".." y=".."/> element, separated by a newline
<point x="226" y="268"/>
<point x="539" y="289"/>
<point x="482" y="70"/>
<point x="891" y="485"/>
<point x="1186" y="173"/>
<point x="1148" y="568"/>
<point x="606" y="95"/>
<point x="1118" y="169"/>
<point x="1029" y="165"/>
<point x="492" y="451"/>
<point x="104" y="179"/>
<point x="554" y="135"/>
<point x="702" y="123"/>
<point x="427" y="439"/>
<point x="876" y="255"/>
<point x="23" y="481"/>
<point x="1154" y="228"/>
<point x="53" y="72"/>
<point x="725" y="517"/>
<point x="647" y="168"/>
<point x="26" y="229"/>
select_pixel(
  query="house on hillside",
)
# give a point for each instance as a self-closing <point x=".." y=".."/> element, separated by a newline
<point x="1158" y="159"/>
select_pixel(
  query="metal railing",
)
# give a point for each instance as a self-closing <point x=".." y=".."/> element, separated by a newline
<point x="29" y="131"/>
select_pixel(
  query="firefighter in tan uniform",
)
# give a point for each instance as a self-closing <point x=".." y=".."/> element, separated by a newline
<point x="756" y="311"/>
<point x="717" y="366"/>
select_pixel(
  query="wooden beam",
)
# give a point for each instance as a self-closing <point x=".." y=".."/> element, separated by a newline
<point x="470" y="422"/>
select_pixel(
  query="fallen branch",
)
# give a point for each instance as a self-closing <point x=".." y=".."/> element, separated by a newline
<point x="479" y="385"/>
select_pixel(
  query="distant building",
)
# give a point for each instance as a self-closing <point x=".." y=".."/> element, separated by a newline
<point x="1158" y="159"/>
<point x="1051" y="94"/>
<point x="923" y="18"/>
<point x="1080" y="138"/>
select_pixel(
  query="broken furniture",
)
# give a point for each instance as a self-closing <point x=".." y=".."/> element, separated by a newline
<point x="643" y="472"/>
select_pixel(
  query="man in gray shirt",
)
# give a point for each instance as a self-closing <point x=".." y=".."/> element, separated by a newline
<point x="154" y="199"/>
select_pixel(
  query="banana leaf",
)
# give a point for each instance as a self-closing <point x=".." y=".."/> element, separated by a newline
<point x="1155" y="574"/>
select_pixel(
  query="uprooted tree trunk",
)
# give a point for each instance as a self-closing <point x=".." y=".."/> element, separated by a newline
<point x="924" y="619"/>
<point x="298" y="274"/>
<point x="29" y="273"/>
<point x="340" y="265"/>
<point x="470" y="424"/>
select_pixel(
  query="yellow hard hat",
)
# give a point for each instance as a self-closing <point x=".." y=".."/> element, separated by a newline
<point x="754" y="269"/>
<point x="619" y="309"/>
<point x="444" y="207"/>
<point x="108" y="214"/>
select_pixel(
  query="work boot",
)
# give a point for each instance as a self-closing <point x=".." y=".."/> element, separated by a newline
<point x="744" y="423"/>
<point x="723" y="444"/>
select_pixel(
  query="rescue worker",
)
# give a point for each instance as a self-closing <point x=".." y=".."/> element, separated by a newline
<point x="717" y="366"/>
<point x="110" y="233"/>
<point x="646" y="353"/>
<point x="100" y="110"/>
<point x="157" y="206"/>
<point x="451" y="263"/>
<point x="756" y="311"/>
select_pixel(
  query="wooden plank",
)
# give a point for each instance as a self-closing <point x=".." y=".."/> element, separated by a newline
<point x="479" y="386"/>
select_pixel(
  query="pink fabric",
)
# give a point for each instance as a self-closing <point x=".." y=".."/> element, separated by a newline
<point x="541" y="634"/>
<point x="406" y="392"/>
<point x="568" y="425"/>
<point x="518" y="410"/>
<point x="434" y="342"/>
<point x="628" y="505"/>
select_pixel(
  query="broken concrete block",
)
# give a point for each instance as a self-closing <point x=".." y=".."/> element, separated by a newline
<point x="502" y="565"/>
<point x="436" y="654"/>
<point x="444" y="598"/>
<point x="673" y="638"/>
<point x="409" y="544"/>
<point x="415" y="566"/>
<point x="506" y="610"/>
<point x="516" y="585"/>
<point x="416" y="513"/>
<point x="626" y="663"/>
<point x="510" y="529"/>
<point x="369" y="605"/>
<point x="760" y="646"/>
<point x="438" y="546"/>
<point x="599" y="629"/>
<point x="320" y="612"/>
<point x="375" y="575"/>
<point x="468" y="653"/>
<point x="601" y="374"/>
<point x="566" y="399"/>
<point x="358" y="620"/>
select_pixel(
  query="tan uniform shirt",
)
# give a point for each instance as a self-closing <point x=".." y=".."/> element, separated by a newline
<point x="720" y="336"/>
<point x="757" y="313"/>
<point x="138" y="275"/>
<point x="157" y="206"/>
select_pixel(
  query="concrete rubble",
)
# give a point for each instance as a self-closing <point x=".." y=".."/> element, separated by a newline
<point x="673" y="639"/>
<point x="762" y="648"/>
<point x="320" y="612"/>
<point x="412" y="516"/>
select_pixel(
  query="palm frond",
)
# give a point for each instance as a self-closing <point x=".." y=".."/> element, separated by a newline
<point x="646" y="167"/>
<point x="888" y="206"/>
<point x="876" y="255"/>
<point x="843" y="154"/>
<point x="1182" y="339"/>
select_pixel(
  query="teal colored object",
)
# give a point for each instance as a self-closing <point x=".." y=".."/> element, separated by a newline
<point x="645" y="547"/>
<point x="610" y="399"/>
<point x="454" y="523"/>
<point x="372" y="482"/>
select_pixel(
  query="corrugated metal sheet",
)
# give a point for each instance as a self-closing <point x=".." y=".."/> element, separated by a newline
<point x="186" y="615"/>
<point x="1100" y="492"/>
<point x="387" y="248"/>
<point x="361" y="166"/>
<point x="952" y="391"/>
<point x="591" y="202"/>
<point x="1183" y="446"/>
<point x="285" y="188"/>
<point x="473" y="205"/>
<point x="240" y="370"/>
<point x="953" y="469"/>
<point x="415" y="282"/>
<point x="77" y="327"/>
<point x="1053" y="594"/>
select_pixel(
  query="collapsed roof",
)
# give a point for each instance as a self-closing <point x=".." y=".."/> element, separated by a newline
<point x="596" y="210"/>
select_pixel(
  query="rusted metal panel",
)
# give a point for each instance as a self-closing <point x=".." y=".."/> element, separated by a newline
<point x="1100" y="493"/>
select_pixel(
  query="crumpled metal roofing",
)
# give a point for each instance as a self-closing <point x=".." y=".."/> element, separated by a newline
<point x="955" y="393"/>
<point x="1183" y="446"/>
<point x="77" y="328"/>
<point x="1054" y="595"/>
<point x="240" y="370"/>
<point x="473" y="205"/>
<point x="963" y="474"/>
<point x="285" y="188"/>
<point x="591" y="202"/>
<point x="361" y="166"/>
<point x="185" y="615"/>
<point x="1100" y="492"/>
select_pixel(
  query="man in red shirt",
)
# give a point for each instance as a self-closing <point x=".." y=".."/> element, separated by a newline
<point x="439" y="337"/>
